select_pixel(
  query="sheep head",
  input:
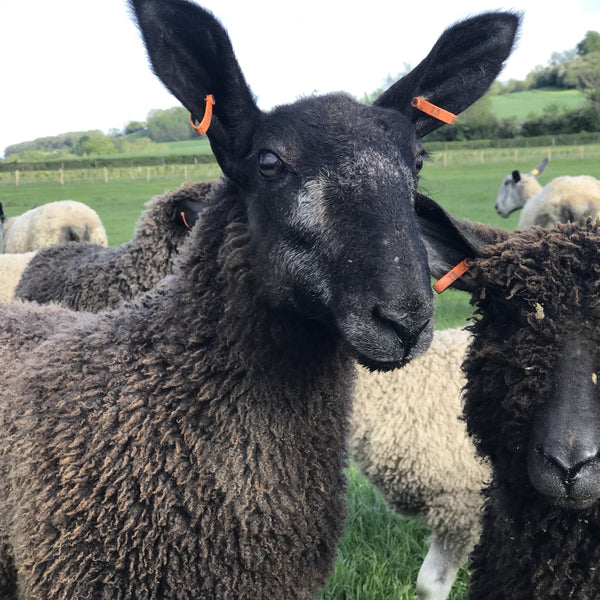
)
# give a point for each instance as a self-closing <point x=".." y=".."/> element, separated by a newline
<point x="328" y="184"/>
<point x="516" y="189"/>
<point x="532" y="400"/>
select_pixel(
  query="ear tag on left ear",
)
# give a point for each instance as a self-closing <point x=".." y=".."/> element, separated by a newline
<point x="203" y="126"/>
<point x="452" y="275"/>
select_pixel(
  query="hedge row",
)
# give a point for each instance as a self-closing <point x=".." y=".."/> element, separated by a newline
<point x="564" y="139"/>
<point x="116" y="162"/>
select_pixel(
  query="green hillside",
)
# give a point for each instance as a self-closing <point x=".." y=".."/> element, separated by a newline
<point x="533" y="102"/>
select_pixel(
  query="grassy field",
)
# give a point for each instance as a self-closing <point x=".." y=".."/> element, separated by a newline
<point x="534" y="102"/>
<point x="381" y="552"/>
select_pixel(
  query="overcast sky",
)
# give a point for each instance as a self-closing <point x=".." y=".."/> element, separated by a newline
<point x="73" y="65"/>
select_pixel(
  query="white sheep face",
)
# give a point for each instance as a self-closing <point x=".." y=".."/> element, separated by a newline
<point x="510" y="196"/>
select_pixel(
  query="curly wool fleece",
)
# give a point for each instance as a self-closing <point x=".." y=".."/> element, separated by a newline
<point x="89" y="277"/>
<point x="533" y="289"/>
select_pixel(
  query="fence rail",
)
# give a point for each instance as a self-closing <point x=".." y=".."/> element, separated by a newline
<point x="514" y="155"/>
<point x="65" y="176"/>
<point x="211" y="170"/>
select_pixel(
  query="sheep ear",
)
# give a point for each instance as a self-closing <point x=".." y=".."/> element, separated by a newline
<point x="185" y="212"/>
<point x="191" y="54"/>
<point x="459" y="69"/>
<point x="449" y="240"/>
<point x="540" y="168"/>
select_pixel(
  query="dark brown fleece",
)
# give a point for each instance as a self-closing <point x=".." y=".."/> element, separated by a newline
<point x="189" y="445"/>
<point x="89" y="277"/>
<point x="535" y="289"/>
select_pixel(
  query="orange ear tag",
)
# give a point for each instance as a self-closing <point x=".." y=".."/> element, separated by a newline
<point x="452" y="275"/>
<point x="434" y="111"/>
<point x="182" y="214"/>
<point x="203" y="126"/>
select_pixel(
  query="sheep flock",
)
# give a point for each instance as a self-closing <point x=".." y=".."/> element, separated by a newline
<point x="176" y="412"/>
<point x="191" y="441"/>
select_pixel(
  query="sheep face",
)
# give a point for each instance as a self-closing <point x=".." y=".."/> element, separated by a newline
<point x="328" y="184"/>
<point x="563" y="457"/>
<point x="516" y="189"/>
<point x="533" y="401"/>
<point x="510" y="197"/>
<point x="332" y="223"/>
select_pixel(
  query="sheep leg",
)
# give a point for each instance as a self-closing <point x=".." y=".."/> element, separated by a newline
<point x="439" y="568"/>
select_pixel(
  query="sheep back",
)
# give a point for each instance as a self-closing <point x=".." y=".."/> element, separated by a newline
<point x="53" y="223"/>
<point x="11" y="268"/>
<point x="581" y="194"/>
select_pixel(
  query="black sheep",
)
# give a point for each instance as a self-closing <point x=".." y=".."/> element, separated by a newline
<point x="191" y="443"/>
<point x="532" y="404"/>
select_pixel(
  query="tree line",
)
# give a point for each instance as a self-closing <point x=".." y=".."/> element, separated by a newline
<point x="168" y="125"/>
<point x="578" y="68"/>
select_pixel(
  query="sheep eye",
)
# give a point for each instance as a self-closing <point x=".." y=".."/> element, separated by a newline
<point x="270" y="165"/>
<point x="419" y="162"/>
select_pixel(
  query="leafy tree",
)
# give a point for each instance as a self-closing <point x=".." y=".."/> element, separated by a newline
<point x="170" y="125"/>
<point x="585" y="74"/>
<point x="590" y="43"/>
<point x="135" y="126"/>
<point x="560" y="58"/>
<point x="95" y="145"/>
<point x="142" y="144"/>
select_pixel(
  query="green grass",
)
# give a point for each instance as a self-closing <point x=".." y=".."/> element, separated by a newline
<point x="118" y="203"/>
<point x="380" y="553"/>
<point x="534" y="102"/>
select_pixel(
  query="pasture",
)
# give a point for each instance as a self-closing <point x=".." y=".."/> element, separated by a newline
<point x="380" y="553"/>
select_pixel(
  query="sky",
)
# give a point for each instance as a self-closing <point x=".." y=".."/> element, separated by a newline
<point x="75" y="65"/>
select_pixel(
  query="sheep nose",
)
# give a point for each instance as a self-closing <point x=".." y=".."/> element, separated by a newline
<point x="569" y="474"/>
<point x="407" y="326"/>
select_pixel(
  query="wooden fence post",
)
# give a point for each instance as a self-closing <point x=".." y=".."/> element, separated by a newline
<point x="581" y="152"/>
<point x="61" y="176"/>
<point x="147" y="173"/>
<point x="185" y="172"/>
<point x="105" y="175"/>
<point x="17" y="177"/>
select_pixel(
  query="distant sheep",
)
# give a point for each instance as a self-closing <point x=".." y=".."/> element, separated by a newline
<point x="563" y="199"/>
<point x="49" y="224"/>
<point x="191" y="444"/>
<point x="90" y="277"/>
<point x="408" y="440"/>
<point x="11" y="268"/>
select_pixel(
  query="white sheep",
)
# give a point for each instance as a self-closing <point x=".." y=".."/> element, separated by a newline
<point x="563" y="199"/>
<point x="49" y="224"/>
<point x="408" y="440"/>
<point x="11" y="267"/>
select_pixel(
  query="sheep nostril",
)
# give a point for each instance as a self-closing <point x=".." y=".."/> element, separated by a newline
<point x="406" y="328"/>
